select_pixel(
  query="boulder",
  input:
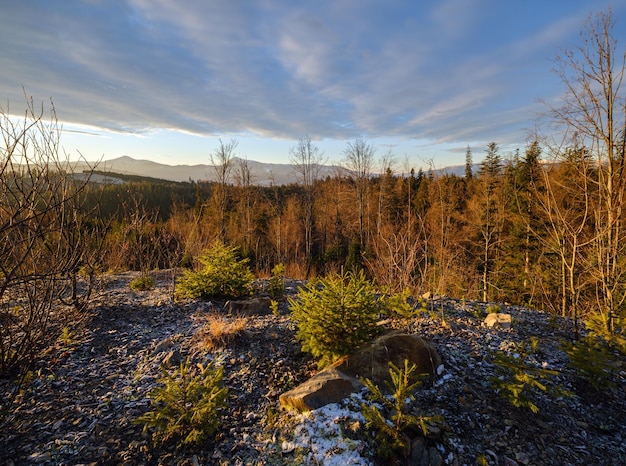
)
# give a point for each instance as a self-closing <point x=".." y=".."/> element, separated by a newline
<point x="249" y="307"/>
<point x="325" y="387"/>
<point x="499" y="320"/>
<point x="421" y="455"/>
<point x="371" y="361"/>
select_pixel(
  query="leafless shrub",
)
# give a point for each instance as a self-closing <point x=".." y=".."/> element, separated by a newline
<point x="46" y="236"/>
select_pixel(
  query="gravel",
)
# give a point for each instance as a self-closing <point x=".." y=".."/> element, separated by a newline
<point x="79" y="404"/>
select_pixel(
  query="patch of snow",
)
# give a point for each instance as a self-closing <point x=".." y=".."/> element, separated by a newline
<point x="319" y="433"/>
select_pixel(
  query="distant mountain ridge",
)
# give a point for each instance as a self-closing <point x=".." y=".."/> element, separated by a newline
<point x="264" y="174"/>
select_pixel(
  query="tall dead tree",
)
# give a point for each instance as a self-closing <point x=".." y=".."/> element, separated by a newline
<point x="594" y="108"/>
<point x="563" y="197"/>
<point x="359" y="158"/>
<point x="307" y="159"/>
<point x="222" y="160"/>
<point x="244" y="177"/>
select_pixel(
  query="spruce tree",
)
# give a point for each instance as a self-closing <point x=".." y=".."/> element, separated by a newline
<point x="335" y="314"/>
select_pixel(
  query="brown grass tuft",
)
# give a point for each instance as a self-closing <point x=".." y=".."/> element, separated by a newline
<point x="220" y="331"/>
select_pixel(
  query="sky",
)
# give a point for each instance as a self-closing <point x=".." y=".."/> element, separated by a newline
<point x="164" y="80"/>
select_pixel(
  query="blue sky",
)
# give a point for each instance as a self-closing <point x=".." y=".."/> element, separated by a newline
<point x="164" y="79"/>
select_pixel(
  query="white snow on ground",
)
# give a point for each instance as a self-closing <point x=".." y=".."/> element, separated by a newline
<point x="318" y="433"/>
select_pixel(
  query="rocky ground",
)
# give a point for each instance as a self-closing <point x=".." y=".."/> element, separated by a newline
<point x="79" y="404"/>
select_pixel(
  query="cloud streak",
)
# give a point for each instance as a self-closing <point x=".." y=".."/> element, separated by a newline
<point x="450" y="71"/>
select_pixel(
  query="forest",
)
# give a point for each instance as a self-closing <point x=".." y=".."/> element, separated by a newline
<point x="519" y="230"/>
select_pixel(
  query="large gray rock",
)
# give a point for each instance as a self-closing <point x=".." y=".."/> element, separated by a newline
<point x="339" y="380"/>
<point x="372" y="360"/>
<point x="421" y="455"/>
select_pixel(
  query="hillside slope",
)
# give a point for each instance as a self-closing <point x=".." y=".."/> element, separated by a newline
<point x="81" y="401"/>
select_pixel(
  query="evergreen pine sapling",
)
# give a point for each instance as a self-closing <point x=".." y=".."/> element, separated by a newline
<point x="335" y="314"/>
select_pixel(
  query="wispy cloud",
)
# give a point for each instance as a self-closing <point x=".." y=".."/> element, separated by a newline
<point x="447" y="71"/>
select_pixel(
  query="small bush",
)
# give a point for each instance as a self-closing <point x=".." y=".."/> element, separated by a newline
<point x="220" y="331"/>
<point x="478" y="312"/>
<point x="66" y="338"/>
<point x="187" y="404"/>
<point x="612" y="329"/>
<point x="143" y="282"/>
<point x="397" y="305"/>
<point x="274" y="307"/>
<point x="593" y="361"/>
<point x="335" y="314"/>
<point x="388" y="418"/>
<point x="596" y="356"/>
<point x="222" y="275"/>
<point x="519" y="381"/>
<point x="276" y="288"/>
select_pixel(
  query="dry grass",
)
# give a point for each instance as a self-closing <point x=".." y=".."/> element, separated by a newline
<point x="220" y="331"/>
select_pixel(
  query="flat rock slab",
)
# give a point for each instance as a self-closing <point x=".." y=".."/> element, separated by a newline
<point x="325" y="387"/>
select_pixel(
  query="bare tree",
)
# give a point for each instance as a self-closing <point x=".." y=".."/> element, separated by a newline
<point x="244" y="177"/>
<point x="276" y="202"/>
<point x="359" y="158"/>
<point x="437" y="227"/>
<point x="594" y="108"/>
<point x="562" y="194"/>
<point x="528" y="181"/>
<point x="396" y="256"/>
<point x="307" y="159"/>
<point x="222" y="160"/>
<point x="386" y="175"/>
